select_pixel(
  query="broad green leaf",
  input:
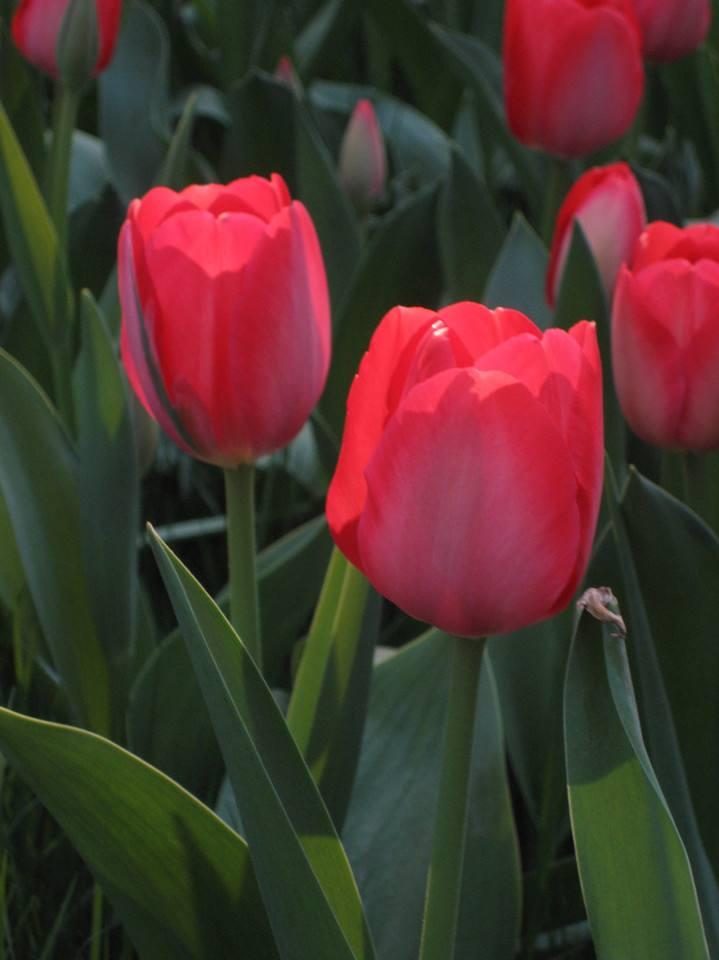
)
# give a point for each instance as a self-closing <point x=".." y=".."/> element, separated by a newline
<point x="173" y="172"/>
<point x="241" y="32"/>
<point x="180" y="880"/>
<point x="636" y="878"/>
<point x="328" y="705"/>
<point x="518" y="275"/>
<point x="133" y="101"/>
<point x="677" y="561"/>
<point x="39" y="480"/>
<point x="21" y="98"/>
<point x="470" y="231"/>
<point x="398" y="266"/>
<point x="388" y="831"/>
<point x="661" y="735"/>
<point x="109" y="497"/>
<point x="301" y="867"/>
<point x="167" y="721"/>
<point x="12" y="576"/>
<point x="31" y="239"/>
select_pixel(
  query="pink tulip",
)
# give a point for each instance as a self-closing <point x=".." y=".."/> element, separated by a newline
<point x="665" y="337"/>
<point x="573" y="75"/>
<point x="37" y="24"/>
<point x="226" y="329"/>
<point x="608" y="205"/>
<point x="469" y="478"/>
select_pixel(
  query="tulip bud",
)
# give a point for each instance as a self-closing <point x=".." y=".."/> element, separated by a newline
<point x="672" y="28"/>
<point x="225" y="316"/>
<point x="573" y="73"/>
<point x="285" y="72"/>
<point x="470" y="473"/>
<point x="608" y="205"/>
<point x="363" y="162"/>
<point x="70" y="40"/>
<point x="665" y="337"/>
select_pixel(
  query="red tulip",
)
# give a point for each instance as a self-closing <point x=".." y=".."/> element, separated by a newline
<point x="226" y="330"/>
<point x="573" y="75"/>
<point x="608" y="205"/>
<point x="37" y="26"/>
<point x="470" y="473"/>
<point x="362" y="162"/>
<point x="672" y="28"/>
<point x="665" y="337"/>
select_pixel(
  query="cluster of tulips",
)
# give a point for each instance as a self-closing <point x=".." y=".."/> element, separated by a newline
<point x="469" y="479"/>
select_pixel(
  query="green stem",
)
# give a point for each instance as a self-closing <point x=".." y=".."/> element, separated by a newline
<point x="67" y="101"/>
<point x="444" y="883"/>
<point x="96" y="932"/>
<point x="558" y="181"/>
<point x="241" y="551"/>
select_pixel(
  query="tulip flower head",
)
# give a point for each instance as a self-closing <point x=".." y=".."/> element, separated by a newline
<point x="672" y="28"/>
<point x="363" y="160"/>
<point x="225" y="315"/>
<point x="470" y="472"/>
<point x="573" y="73"/>
<point x="40" y="30"/>
<point x="665" y="337"/>
<point x="608" y="205"/>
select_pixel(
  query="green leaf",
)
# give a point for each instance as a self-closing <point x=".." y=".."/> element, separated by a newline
<point x="300" y="864"/>
<point x="470" y="231"/>
<point x="12" y="576"/>
<point x="635" y="873"/>
<point x="39" y="480"/>
<point x="398" y="266"/>
<point x="329" y="29"/>
<point x="327" y="709"/>
<point x="388" y="831"/>
<point x="168" y="724"/>
<point x="133" y="101"/>
<point x="517" y="278"/>
<point x="180" y="880"/>
<point x="415" y="46"/>
<point x="109" y="497"/>
<point x="677" y="561"/>
<point x="661" y="735"/>
<point x="173" y="173"/>
<point x="32" y="239"/>
<point x="290" y="573"/>
<point x="475" y="63"/>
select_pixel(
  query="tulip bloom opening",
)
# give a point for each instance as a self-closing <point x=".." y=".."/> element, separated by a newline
<point x="573" y="73"/>
<point x="672" y="28"/>
<point x="665" y="337"/>
<point x="226" y="325"/>
<point x="608" y="205"/>
<point x="37" y="25"/>
<point x="469" y="479"/>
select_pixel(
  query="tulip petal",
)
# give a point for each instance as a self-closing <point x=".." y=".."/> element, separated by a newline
<point x="35" y="29"/>
<point x="480" y="329"/>
<point x="374" y="395"/>
<point x="471" y="520"/>
<point x="699" y="425"/>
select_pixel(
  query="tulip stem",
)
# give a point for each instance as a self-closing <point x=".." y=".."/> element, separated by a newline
<point x="241" y="550"/>
<point x="444" y="882"/>
<point x="58" y="172"/>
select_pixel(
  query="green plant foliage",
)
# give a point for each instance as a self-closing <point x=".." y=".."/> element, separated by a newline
<point x="180" y="879"/>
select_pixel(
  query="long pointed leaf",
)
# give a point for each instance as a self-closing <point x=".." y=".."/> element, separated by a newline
<point x="302" y="869"/>
<point x="181" y="881"/>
